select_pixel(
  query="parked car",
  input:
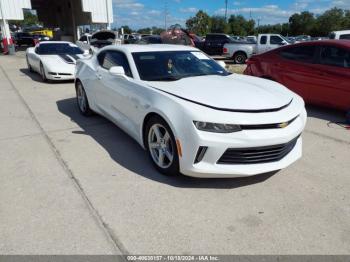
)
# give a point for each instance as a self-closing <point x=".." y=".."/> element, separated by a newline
<point x="54" y="60"/>
<point x="84" y="41"/>
<point x="150" y="39"/>
<point x="41" y="38"/>
<point x="240" y="51"/>
<point x="103" y="38"/>
<point x="302" y="38"/>
<point x="214" y="43"/>
<point x="24" y="39"/>
<point x="318" y="71"/>
<point x="190" y="114"/>
<point x="340" y="35"/>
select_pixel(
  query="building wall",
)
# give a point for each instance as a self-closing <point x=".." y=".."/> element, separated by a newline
<point x="13" y="9"/>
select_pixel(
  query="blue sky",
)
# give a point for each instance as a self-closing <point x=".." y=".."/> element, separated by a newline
<point x="145" y="13"/>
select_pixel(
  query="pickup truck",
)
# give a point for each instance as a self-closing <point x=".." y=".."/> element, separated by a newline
<point x="241" y="51"/>
<point x="214" y="43"/>
<point x="340" y="35"/>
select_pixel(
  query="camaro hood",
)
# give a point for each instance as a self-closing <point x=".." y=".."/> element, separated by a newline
<point x="233" y="92"/>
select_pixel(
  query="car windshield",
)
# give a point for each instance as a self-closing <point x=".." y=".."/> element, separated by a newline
<point x="54" y="49"/>
<point x="175" y="65"/>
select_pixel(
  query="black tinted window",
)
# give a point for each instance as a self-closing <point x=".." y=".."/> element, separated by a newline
<point x="303" y="54"/>
<point x="263" y="40"/>
<point x="54" y="49"/>
<point x="83" y="38"/>
<point x="114" y="58"/>
<point x="275" y="40"/>
<point x="347" y="37"/>
<point x="335" y="56"/>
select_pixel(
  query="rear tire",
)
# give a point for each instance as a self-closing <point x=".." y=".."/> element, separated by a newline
<point x="161" y="146"/>
<point x="82" y="100"/>
<point x="240" y="58"/>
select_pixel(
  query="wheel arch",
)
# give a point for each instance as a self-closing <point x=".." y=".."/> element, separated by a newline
<point x="147" y="117"/>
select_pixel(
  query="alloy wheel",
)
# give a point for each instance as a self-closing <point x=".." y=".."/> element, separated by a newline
<point x="81" y="98"/>
<point x="161" y="146"/>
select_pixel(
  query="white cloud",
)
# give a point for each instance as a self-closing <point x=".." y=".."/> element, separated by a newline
<point x="128" y="4"/>
<point x="189" y="10"/>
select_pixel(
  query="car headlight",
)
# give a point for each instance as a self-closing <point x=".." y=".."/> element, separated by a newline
<point x="216" y="128"/>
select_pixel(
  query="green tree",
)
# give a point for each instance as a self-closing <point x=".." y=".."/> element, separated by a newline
<point x="219" y="25"/>
<point x="238" y="25"/>
<point x="199" y="24"/>
<point x="127" y="29"/>
<point x="302" y="24"/>
<point x="329" y="21"/>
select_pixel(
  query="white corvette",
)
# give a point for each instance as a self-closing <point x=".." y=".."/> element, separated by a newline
<point x="54" y="60"/>
<point x="189" y="113"/>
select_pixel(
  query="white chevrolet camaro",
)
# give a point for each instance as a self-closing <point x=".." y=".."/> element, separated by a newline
<point x="54" y="60"/>
<point x="189" y="113"/>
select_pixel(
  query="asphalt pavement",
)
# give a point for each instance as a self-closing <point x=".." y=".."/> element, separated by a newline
<point x="75" y="185"/>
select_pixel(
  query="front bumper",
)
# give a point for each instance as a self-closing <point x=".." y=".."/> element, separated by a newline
<point x="59" y="76"/>
<point x="217" y="145"/>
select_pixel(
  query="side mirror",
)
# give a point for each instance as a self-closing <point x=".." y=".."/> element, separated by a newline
<point x="222" y="64"/>
<point x="117" y="71"/>
<point x="85" y="42"/>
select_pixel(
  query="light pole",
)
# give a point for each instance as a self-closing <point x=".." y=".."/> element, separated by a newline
<point x="226" y="6"/>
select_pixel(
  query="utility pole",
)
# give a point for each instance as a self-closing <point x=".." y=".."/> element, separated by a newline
<point x="226" y="7"/>
<point x="107" y="13"/>
<point x="166" y="14"/>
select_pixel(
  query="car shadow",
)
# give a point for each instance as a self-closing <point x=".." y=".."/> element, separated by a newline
<point x="37" y="78"/>
<point x="334" y="117"/>
<point x="128" y="153"/>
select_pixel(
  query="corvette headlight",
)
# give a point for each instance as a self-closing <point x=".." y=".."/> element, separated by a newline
<point x="216" y="128"/>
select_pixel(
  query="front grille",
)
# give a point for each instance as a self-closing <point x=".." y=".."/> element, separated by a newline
<point x="257" y="155"/>
<point x="64" y="74"/>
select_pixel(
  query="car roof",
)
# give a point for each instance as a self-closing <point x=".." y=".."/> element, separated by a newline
<point x="342" y="32"/>
<point x="345" y="43"/>
<point x="150" y="48"/>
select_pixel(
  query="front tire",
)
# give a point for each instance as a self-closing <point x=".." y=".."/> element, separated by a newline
<point x="161" y="146"/>
<point x="82" y="100"/>
<point x="42" y="73"/>
<point x="29" y="66"/>
<point x="240" y="58"/>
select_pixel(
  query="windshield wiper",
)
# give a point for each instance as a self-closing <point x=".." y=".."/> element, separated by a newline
<point x="165" y="78"/>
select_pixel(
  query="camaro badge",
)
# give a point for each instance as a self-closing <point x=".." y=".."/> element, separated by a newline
<point x="283" y="125"/>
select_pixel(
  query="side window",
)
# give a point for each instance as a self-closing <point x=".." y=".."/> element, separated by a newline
<point x="115" y="58"/>
<point x="304" y="54"/>
<point x="347" y="37"/>
<point x="263" y="40"/>
<point x="101" y="57"/>
<point x="275" y="40"/>
<point x="334" y="56"/>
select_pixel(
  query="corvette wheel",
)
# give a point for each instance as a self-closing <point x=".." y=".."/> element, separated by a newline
<point x="240" y="58"/>
<point x="162" y="147"/>
<point x="42" y="73"/>
<point x="29" y="66"/>
<point x="82" y="101"/>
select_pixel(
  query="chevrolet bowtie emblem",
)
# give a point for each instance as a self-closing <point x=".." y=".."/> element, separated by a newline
<point x="283" y="125"/>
